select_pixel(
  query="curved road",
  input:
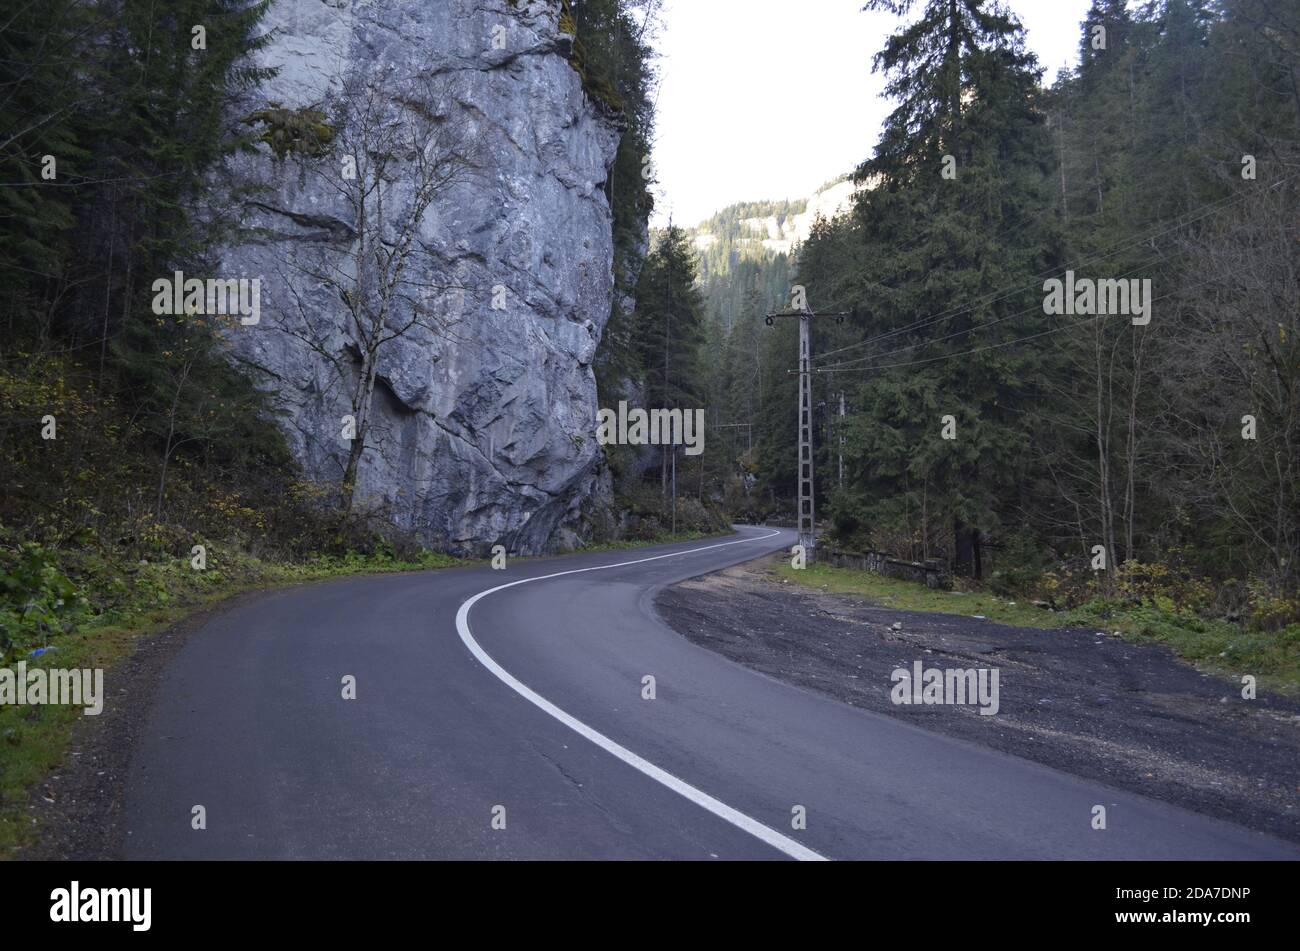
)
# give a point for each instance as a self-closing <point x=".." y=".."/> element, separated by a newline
<point x="522" y="689"/>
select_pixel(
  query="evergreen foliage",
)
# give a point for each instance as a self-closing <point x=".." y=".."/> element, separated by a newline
<point x="1071" y="431"/>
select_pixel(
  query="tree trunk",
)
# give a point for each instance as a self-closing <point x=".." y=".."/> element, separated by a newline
<point x="966" y="559"/>
<point x="361" y="412"/>
<point x="1103" y="469"/>
<point x="171" y="434"/>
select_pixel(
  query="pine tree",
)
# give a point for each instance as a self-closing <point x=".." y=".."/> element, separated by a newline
<point x="960" y="211"/>
<point x="669" y="328"/>
<point x="42" y="117"/>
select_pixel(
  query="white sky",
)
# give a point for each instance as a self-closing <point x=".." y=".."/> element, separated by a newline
<point x="766" y="99"/>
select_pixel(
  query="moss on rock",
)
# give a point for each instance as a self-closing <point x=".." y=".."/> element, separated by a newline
<point x="305" y="131"/>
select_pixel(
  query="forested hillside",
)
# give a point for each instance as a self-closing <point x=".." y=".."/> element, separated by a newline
<point x="1013" y="443"/>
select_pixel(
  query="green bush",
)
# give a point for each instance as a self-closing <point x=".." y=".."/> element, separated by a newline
<point x="851" y="521"/>
<point x="37" y="600"/>
<point x="1018" y="568"/>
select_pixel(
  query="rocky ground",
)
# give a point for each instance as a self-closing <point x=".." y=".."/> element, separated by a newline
<point x="1131" y="715"/>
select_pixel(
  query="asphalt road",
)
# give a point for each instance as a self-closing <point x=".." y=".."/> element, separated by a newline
<point x="522" y="689"/>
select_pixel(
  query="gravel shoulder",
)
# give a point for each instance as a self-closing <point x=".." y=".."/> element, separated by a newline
<point x="1128" y="714"/>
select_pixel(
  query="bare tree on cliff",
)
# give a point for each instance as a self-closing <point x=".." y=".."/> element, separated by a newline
<point x="393" y="150"/>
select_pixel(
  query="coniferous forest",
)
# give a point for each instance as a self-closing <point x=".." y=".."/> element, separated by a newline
<point x="1007" y="441"/>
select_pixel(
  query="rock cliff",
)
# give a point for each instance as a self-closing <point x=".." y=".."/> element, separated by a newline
<point x="483" y="433"/>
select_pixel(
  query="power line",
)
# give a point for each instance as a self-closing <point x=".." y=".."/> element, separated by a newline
<point x="958" y="333"/>
<point x="97" y="181"/>
<point x="1018" y="226"/>
<point x="994" y="296"/>
<point x="994" y="346"/>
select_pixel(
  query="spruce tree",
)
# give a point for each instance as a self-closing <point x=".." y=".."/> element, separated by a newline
<point x="960" y="212"/>
<point x="669" y="328"/>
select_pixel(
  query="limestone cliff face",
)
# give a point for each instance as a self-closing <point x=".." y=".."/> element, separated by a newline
<point x="484" y="435"/>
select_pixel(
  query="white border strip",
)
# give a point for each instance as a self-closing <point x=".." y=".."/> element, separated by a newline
<point x="720" y="809"/>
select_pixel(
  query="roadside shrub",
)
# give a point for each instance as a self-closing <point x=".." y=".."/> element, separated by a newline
<point x="850" y="521"/>
<point x="647" y="515"/>
<point x="1162" y="584"/>
<point x="37" y="600"/>
<point x="1018" y="568"/>
<point x="1270" y="608"/>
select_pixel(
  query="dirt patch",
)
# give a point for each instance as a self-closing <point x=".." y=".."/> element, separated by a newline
<point x="1130" y="715"/>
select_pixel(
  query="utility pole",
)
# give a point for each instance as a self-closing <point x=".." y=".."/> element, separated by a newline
<point x="839" y="433"/>
<point x="807" y="506"/>
<point x="674" y="490"/>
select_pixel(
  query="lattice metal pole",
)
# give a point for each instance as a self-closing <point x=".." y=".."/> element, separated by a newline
<point x="807" y="508"/>
<point x="839" y="435"/>
<point x="807" y="505"/>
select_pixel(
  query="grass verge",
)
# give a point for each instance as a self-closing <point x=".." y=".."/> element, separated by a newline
<point x="1273" y="657"/>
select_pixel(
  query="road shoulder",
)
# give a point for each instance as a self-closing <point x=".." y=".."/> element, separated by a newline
<point x="78" y="807"/>
<point x="1129" y="715"/>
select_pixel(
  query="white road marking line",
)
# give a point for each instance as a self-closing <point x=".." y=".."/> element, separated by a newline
<point x="720" y="809"/>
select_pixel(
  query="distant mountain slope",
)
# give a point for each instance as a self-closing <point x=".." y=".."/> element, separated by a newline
<point x="746" y="250"/>
<point x="764" y="229"/>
